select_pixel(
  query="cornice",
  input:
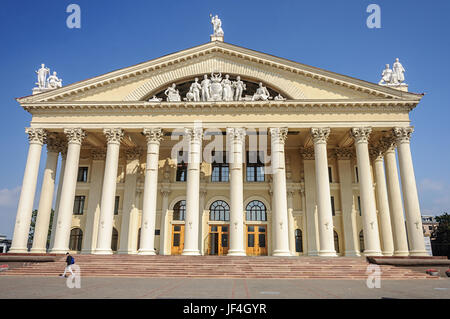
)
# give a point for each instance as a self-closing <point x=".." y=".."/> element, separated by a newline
<point x="227" y="50"/>
<point x="318" y="106"/>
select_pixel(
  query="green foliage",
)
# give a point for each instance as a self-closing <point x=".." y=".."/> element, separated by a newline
<point x="442" y="233"/>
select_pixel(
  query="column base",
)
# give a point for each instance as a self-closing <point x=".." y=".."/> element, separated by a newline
<point x="401" y="253"/>
<point x="327" y="253"/>
<point x="281" y="253"/>
<point x="191" y="252"/>
<point x="418" y="253"/>
<point x="18" y="250"/>
<point x="126" y="252"/>
<point x="387" y="253"/>
<point x="147" y="252"/>
<point x="352" y="253"/>
<point x="86" y="252"/>
<point x="59" y="251"/>
<point x="236" y="253"/>
<point x="372" y="253"/>
<point x="313" y="253"/>
<point x="38" y="251"/>
<point x="103" y="252"/>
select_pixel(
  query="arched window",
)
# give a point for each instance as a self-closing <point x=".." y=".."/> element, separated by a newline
<point x="256" y="210"/>
<point x="298" y="241"/>
<point x="336" y="242"/>
<point x="114" y="239"/>
<point x="361" y="241"/>
<point x="76" y="238"/>
<point x="219" y="211"/>
<point x="179" y="210"/>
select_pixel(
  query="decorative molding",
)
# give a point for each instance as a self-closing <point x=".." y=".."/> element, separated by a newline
<point x="75" y="135"/>
<point x="361" y="134"/>
<point x="344" y="153"/>
<point x="307" y="153"/>
<point x="36" y="135"/>
<point x="279" y="134"/>
<point x="133" y="153"/>
<point x="376" y="153"/>
<point x="153" y="135"/>
<point x="402" y="134"/>
<point x="320" y="134"/>
<point x="98" y="154"/>
<point x="54" y="143"/>
<point x="388" y="144"/>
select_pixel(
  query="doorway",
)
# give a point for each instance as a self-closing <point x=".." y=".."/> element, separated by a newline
<point x="256" y="240"/>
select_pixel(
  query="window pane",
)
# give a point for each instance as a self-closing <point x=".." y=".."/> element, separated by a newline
<point x="262" y="240"/>
<point x="224" y="240"/>
<point x="262" y="229"/>
<point x="176" y="240"/>
<point x="213" y="228"/>
<point x="177" y="228"/>
<point x="251" y="240"/>
<point x="225" y="229"/>
<point x="251" y="228"/>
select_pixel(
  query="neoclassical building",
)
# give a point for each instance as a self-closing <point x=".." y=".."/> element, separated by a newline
<point x="222" y="150"/>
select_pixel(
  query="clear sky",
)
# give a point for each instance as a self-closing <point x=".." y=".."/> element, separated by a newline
<point x="328" y="34"/>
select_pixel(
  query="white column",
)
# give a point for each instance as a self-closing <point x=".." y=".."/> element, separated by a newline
<point x="164" y="232"/>
<point x="309" y="197"/>
<point x="147" y="243"/>
<point x="104" y="237"/>
<point x="237" y="140"/>
<point x="75" y="137"/>
<point x="93" y="208"/>
<point x="291" y="230"/>
<point x="46" y="199"/>
<point x="395" y="199"/>
<point x="191" y="234"/>
<point x="280" y="225"/>
<point x="344" y="156"/>
<point x="63" y="151"/>
<point x="36" y="139"/>
<point x="127" y="229"/>
<point x="410" y="196"/>
<point x="305" y="233"/>
<point x="368" y="208"/>
<point x="383" y="203"/>
<point x="325" y="216"/>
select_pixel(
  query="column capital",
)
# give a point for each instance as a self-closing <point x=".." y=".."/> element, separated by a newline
<point x="343" y="153"/>
<point x="402" y="134"/>
<point x="387" y="144"/>
<point x="75" y="135"/>
<point x="236" y="133"/>
<point x="361" y="134"/>
<point x="279" y="134"/>
<point x="307" y="153"/>
<point x="376" y="153"/>
<point x="195" y="134"/>
<point x="113" y="135"/>
<point x="165" y="191"/>
<point x="54" y="143"/>
<point x="98" y="154"/>
<point x="320" y="134"/>
<point x="153" y="135"/>
<point x="36" y="135"/>
<point x="133" y="153"/>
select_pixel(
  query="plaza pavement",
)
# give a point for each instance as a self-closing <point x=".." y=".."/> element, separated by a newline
<point x="185" y="288"/>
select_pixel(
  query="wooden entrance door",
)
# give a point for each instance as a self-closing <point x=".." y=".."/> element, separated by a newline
<point x="218" y="240"/>
<point x="256" y="240"/>
<point x="177" y="239"/>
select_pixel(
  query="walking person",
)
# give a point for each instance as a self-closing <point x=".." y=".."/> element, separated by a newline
<point x="69" y="261"/>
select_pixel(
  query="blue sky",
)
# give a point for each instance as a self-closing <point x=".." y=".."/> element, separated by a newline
<point x="328" y="34"/>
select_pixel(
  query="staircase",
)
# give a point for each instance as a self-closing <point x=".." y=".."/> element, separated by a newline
<point x="215" y="267"/>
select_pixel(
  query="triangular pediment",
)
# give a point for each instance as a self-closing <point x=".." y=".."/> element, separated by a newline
<point x="293" y="80"/>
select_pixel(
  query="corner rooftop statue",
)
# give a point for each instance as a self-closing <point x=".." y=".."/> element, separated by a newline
<point x="44" y="83"/>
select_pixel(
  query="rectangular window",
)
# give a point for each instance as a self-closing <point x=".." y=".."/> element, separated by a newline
<point x="157" y="232"/>
<point x="82" y="174"/>
<point x="359" y="205"/>
<point x="255" y="166"/>
<point x="332" y="206"/>
<point x="78" y="205"/>
<point x="220" y="168"/>
<point x="181" y="175"/>
<point x="116" y="205"/>
<point x="330" y="176"/>
<point x="356" y="174"/>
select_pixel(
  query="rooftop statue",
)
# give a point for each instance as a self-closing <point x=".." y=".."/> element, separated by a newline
<point x="42" y="74"/>
<point x="155" y="99"/>
<point x="194" y="92"/>
<point x="54" y="82"/>
<point x="239" y="87"/>
<point x="227" y="89"/>
<point x="386" y="75"/>
<point x="394" y="76"/>
<point x="217" y="25"/>
<point x="399" y="71"/>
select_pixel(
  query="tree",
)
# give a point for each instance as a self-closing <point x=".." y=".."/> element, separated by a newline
<point x="441" y="236"/>
<point x="33" y="225"/>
